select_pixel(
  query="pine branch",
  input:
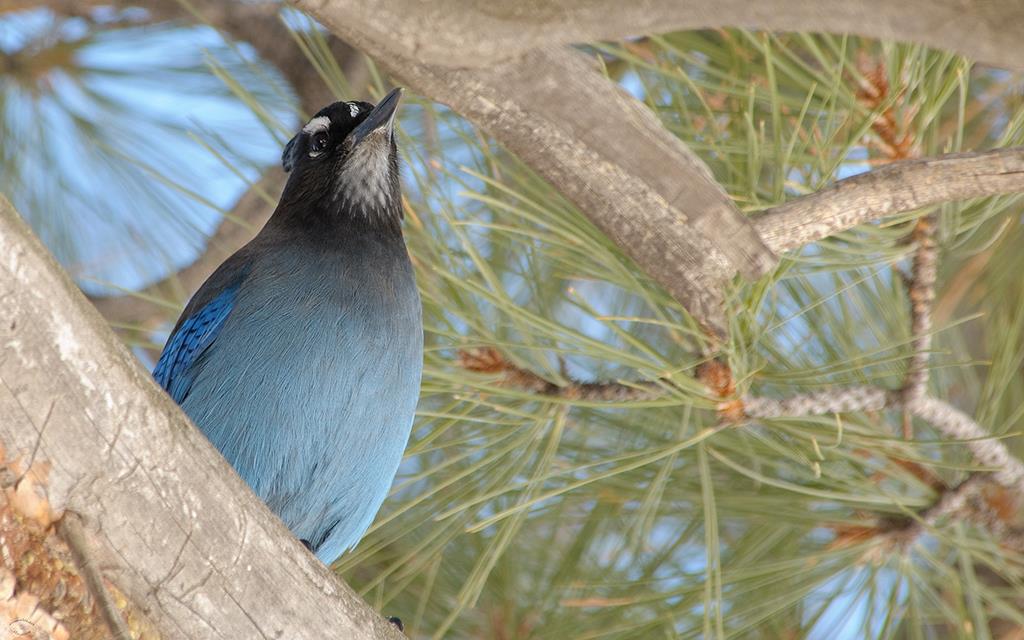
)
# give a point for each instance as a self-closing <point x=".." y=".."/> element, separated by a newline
<point x="822" y="403"/>
<point x="895" y="188"/>
<point x="894" y="135"/>
<point x="951" y="422"/>
<point x="608" y="154"/>
<point x="991" y="452"/>
<point x="690" y="239"/>
<point x="924" y="271"/>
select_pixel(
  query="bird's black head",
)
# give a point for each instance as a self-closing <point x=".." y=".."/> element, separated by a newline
<point x="344" y="166"/>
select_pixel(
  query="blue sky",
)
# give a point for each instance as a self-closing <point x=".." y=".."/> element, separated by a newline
<point x="141" y="226"/>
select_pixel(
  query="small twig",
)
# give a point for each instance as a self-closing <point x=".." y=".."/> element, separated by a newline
<point x="976" y="500"/>
<point x="821" y="403"/>
<point x="886" y="533"/>
<point x="893" y="136"/>
<point x="950" y="421"/>
<point x="73" y="532"/>
<point x="953" y="423"/>
<point x="490" y="360"/>
<point x="951" y="503"/>
<point x="1007" y="469"/>
<point x="922" y="298"/>
<point x="971" y="501"/>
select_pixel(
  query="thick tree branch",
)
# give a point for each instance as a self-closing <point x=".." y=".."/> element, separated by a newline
<point x="611" y="157"/>
<point x="608" y="154"/>
<point x="482" y="33"/>
<point x="176" y="529"/>
<point x="895" y="188"/>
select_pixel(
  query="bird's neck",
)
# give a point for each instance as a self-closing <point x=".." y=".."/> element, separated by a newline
<point x="332" y="216"/>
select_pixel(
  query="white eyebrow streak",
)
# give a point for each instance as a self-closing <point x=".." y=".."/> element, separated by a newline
<point x="353" y="109"/>
<point x="318" y="123"/>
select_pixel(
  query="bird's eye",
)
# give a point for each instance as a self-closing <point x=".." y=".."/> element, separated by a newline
<point x="318" y="144"/>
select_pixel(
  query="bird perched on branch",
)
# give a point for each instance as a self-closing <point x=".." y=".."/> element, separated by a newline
<point x="300" y="357"/>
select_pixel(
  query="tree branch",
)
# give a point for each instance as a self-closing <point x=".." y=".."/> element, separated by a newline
<point x="944" y="417"/>
<point x="482" y="33"/>
<point x="611" y="157"/>
<point x="489" y="360"/>
<point x="608" y="154"/>
<point x="176" y="528"/>
<point x="895" y="188"/>
<point x="921" y="289"/>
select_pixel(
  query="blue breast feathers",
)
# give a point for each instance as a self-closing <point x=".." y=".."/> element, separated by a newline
<point x="301" y="362"/>
<point x="195" y="335"/>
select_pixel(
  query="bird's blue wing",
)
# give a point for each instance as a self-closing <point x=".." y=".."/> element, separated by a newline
<point x="193" y="336"/>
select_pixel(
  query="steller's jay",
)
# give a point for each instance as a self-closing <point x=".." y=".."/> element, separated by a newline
<point x="300" y="357"/>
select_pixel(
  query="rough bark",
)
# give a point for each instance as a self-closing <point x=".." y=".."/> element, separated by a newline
<point x="895" y="188"/>
<point x="175" y="527"/>
<point x="481" y="33"/>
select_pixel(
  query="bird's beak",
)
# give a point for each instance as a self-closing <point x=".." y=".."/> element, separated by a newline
<point x="381" y="118"/>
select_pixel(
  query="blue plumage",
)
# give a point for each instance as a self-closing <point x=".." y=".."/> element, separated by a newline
<point x="174" y="370"/>
<point x="300" y="358"/>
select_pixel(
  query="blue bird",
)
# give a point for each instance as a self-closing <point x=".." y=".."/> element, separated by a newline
<point x="300" y="357"/>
